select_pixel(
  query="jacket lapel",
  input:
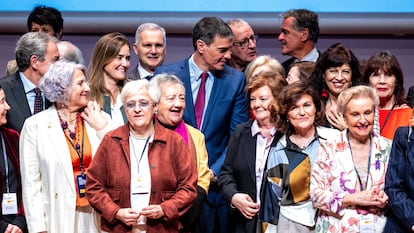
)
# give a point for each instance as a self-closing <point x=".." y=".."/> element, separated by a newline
<point x="184" y="75"/>
<point x="60" y="147"/>
<point x="212" y="102"/>
<point x="17" y="90"/>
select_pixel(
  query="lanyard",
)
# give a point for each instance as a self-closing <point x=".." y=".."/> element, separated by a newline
<point x="142" y="153"/>
<point x="79" y="151"/>
<point x="387" y="118"/>
<point x="369" y="164"/>
<point x="6" y="163"/>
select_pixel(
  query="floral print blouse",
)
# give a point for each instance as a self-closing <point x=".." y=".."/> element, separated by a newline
<point x="333" y="176"/>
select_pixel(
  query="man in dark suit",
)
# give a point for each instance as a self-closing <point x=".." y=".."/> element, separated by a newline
<point x="298" y="36"/>
<point x="150" y="48"/>
<point x="35" y="51"/>
<point x="225" y="105"/>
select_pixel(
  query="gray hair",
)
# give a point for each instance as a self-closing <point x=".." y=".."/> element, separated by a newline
<point x="70" y="52"/>
<point x="161" y="79"/>
<point x="132" y="87"/>
<point x="57" y="81"/>
<point x="149" y="26"/>
<point x="304" y="19"/>
<point x="31" y="43"/>
<point x="236" y="22"/>
<point x="356" y="92"/>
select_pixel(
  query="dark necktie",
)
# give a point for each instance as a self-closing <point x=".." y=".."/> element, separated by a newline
<point x="201" y="99"/>
<point x="148" y="77"/>
<point x="38" y="103"/>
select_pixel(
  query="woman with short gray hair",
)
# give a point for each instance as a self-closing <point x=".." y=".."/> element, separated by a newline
<point x="56" y="148"/>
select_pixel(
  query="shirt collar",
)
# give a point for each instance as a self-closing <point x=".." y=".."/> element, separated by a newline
<point x="256" y="129"/>
<point x="142" y="72"/>
<point x="313" y="55"/>
<point x="27" y="84"/>
<point x="195" y="71"/>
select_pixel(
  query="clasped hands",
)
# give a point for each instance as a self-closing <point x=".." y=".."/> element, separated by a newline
<point x="370" y="201"/>
<point x="130" y="216"/>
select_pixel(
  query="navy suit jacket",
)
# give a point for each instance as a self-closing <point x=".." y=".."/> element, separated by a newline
<point x="227" y="107"/>
<point x="399" y="183"/>
<point x="16" y="98"/>
<point x="238" y="174"/>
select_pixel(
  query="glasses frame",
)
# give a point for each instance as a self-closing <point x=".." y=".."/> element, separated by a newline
<point x="244" y="43"/>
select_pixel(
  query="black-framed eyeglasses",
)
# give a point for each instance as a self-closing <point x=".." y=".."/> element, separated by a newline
<point x="245" y="42"/>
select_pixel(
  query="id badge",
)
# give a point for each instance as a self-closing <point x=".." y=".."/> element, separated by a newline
<point x="9" y="204"/>
<point x="366" y="223"/>
<point x="81" y="182"/>
<point x="140" y="185"/>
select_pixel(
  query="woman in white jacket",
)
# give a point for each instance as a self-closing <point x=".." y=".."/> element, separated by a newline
<point x="56" y="148"/>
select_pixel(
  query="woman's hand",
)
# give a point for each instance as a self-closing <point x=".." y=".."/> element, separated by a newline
<point x="245" y="205"/>
<point x="336" y="119"/>
<point x="12" y="229"/>
<point x="381" y="197"/>
<point x="94" y="116"/>
<point x="127" y="215"/>
<point x="152" y="211"/>
<point x="364" y="198"/>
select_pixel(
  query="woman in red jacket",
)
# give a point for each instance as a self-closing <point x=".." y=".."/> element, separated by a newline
<point x="143" y="176"/>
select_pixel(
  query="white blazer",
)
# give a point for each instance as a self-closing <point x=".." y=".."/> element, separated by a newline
<point x="49" y="193"/>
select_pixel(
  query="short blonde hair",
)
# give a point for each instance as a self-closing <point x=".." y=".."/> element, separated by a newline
<point x="264" y="60"/>
<point x="356" y="92"/>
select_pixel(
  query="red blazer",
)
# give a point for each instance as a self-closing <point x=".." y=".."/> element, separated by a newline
<point x="173" y="179"/>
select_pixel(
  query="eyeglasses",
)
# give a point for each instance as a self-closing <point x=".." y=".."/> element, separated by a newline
<point x="245" y="42"/>
<point x="133" y="104"/>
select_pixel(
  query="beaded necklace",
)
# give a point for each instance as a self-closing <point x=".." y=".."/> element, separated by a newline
<point x="76" y="140"/>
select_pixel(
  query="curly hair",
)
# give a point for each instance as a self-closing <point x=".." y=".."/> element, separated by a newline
<point x="276" y="82"/>
<point x="288" y="98"/>
<point x="335" y="56"/>
<point x="356" y="92"/>
<point x="57" y="81"/>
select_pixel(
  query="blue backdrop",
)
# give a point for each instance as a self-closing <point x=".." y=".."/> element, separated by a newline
<point x="348" y="6"/>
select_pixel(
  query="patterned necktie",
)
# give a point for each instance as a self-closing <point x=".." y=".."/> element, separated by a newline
<point x="201" y="99"/>
<point x="38" y="103"/>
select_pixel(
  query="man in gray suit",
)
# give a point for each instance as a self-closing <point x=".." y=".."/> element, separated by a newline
<point x="35" y="51"/>
<point x="150" y="48"/>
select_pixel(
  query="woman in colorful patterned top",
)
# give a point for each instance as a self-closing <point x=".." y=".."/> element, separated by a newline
<point x="290" y="162"/>
<point x="347" y="180"/>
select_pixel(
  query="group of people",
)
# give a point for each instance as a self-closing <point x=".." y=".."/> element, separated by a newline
<point x="222" y="141"/>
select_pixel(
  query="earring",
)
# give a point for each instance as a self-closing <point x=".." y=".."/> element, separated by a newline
<point x="324" y="94"/>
